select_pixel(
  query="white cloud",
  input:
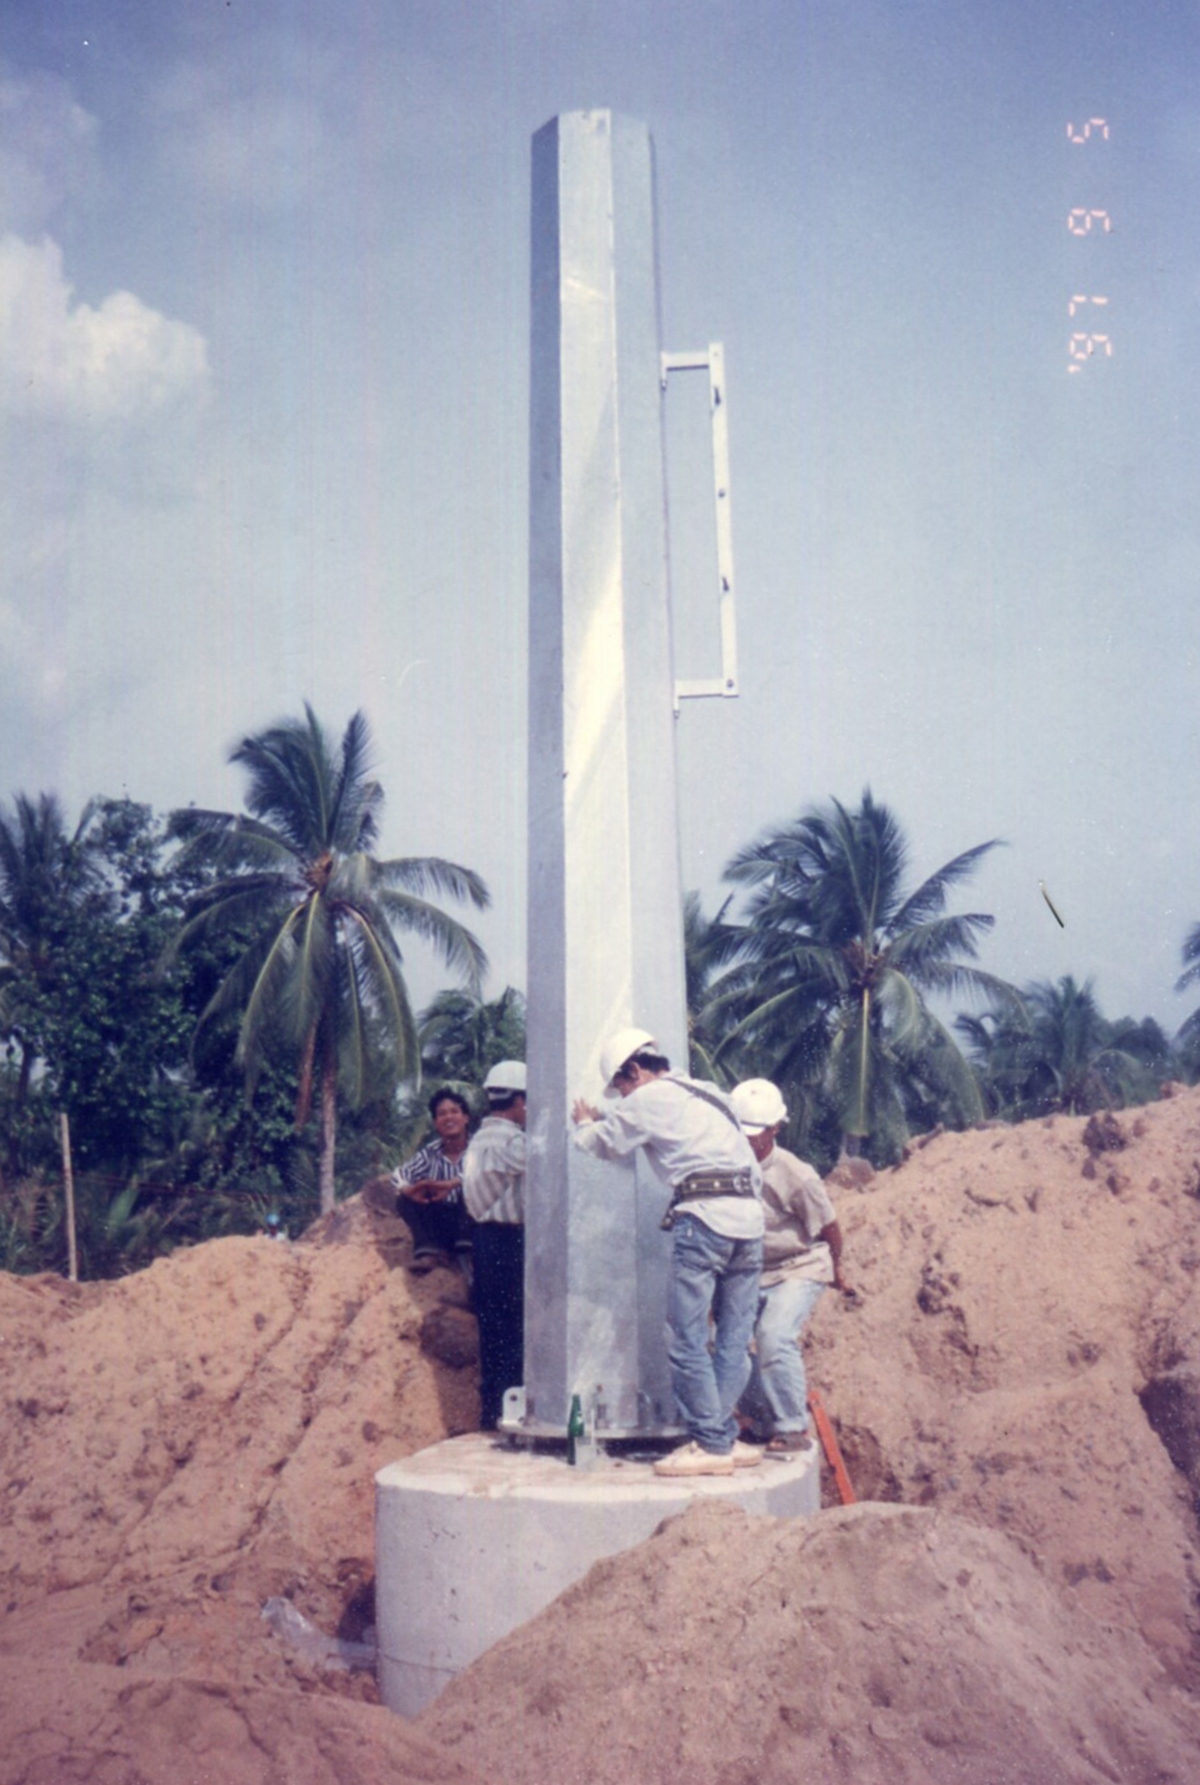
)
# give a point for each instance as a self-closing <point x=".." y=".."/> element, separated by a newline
<point x="101" y="439"/>
<point x="65" y="360"/>
<point x="48" y="148"/>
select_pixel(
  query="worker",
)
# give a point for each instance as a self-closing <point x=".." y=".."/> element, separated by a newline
<point x="494" y="1192"/>
<point x="692" y="1138"/>
<point x="802" y="1254"/>
<point x="430" y="1187"/>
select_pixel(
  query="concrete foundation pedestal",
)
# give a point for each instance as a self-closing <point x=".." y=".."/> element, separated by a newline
<point x="473" y="1538"/>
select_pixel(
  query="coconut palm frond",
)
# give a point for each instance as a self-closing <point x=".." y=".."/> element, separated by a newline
<point x="833" y="964"/>
<point x="929" y="900"/>
<point x="315" y="916"/>
<point x="429" y="876"/>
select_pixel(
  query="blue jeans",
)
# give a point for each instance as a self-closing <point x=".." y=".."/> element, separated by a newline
<point x="710" y="1273"/>
<point x="777" y="1396"/>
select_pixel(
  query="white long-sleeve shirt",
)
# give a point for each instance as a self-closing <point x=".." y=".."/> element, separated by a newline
<point x="683" y="1131"/>
<point x="494" y="1171"/>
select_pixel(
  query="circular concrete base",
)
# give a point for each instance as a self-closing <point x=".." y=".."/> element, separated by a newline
<point x="473" y="1538"/>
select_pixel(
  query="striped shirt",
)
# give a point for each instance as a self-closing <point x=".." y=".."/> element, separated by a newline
<point x="430" y="1161"/>
<point x="494" y="1172"/>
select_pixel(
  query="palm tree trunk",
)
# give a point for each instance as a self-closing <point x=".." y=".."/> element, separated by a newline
<point x="328" y="1131"/>
<point x="304" y="1088"/>
<point x="855" y="1132"/>
<point x="24" y="1074"/>
<point x="862" y="1125"/>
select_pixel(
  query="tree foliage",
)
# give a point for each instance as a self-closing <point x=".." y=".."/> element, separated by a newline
<point x="462" y="1036"/>
<point x="186" y="993"/>
<point x="709" y="944"/>
<point x="45" y="876"/>
<point x="835" y="959"/>
<point x="1053" y="1050"/>
<point x="1187" y="1041"/>
<point x="167" y="1148"/>
<point x="318" y="979"/>
<point x="85" y="917"/>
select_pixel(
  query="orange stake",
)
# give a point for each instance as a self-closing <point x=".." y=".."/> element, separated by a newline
<point x="829" y="1445"/>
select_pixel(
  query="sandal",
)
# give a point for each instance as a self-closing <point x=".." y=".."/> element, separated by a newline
<point x="784" y="1443"/>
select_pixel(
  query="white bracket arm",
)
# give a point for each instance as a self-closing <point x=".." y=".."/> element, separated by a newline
<point x="713" y="362"/>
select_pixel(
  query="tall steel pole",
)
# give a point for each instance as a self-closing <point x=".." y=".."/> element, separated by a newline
<point x="605" y="895"/>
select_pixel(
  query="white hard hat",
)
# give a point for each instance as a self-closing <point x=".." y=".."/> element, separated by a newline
<point x="506" y="1075"/>
<point x="620" y="1047"/>
<point x="758" y="1104"/>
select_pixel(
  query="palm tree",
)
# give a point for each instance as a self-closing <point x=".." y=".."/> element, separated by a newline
<point x="462" y="1037"/>
<point x="319" y="975"/>
<point x="709" y="943"/>
<point x="1148" y="1046"/>
<point x="1054" y="1050"/>
<point x="835" y="961"/>
<point x="45" y="874"/>
<point x="1187" y="1041"/>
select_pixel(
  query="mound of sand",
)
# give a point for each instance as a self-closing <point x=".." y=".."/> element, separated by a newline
<point x="88" y="1724"/>
<point x="180" y="1447"/>
<point x="885" y="1645"/>
<point x="1029" y="1306"/>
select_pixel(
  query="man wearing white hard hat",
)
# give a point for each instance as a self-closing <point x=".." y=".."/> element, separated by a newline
<point x="494" y="1192"/>
<point x="692" y="1137"/>
<point x="802" y="1253"/>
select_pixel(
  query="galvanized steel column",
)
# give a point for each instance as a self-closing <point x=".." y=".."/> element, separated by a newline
<point x="605" y="898"/>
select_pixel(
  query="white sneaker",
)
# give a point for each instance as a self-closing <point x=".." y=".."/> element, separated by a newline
<point x="746" y="1456"/>
<point x="692" y="1459"/>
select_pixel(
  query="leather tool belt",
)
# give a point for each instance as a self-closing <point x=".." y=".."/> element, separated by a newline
<point x="706" y="1183"/>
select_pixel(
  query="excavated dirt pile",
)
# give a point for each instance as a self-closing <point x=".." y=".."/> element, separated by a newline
<point x="181" y="1447"/>
<point x="1027" y="1351"/>
<point x="873" y="1645"/>
<point x="1022" y="1368"/>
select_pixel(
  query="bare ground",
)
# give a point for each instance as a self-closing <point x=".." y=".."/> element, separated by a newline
<point x="1022" y="1373"/>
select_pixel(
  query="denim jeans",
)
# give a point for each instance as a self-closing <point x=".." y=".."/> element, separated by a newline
<point x="777" y="1395"/>
<point x="709" y="1272"/>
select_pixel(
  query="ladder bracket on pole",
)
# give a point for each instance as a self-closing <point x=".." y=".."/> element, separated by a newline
<point x="712" y="361"/>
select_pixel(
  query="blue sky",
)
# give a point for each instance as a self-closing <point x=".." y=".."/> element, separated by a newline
<point x="263" y="392"/>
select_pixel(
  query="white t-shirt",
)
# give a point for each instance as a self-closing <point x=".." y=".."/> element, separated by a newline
<point x="683" y="1131"/>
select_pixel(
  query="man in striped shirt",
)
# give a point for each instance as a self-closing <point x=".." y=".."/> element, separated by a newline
<point x="494" y="1191"/>
<point x="430" y="1186"/>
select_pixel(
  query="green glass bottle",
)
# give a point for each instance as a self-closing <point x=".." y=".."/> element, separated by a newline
<point x="575" y="1430"/>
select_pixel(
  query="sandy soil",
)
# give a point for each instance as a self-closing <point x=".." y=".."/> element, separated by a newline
<point x="1024" y="1289"/>
<point x="1022" y="1370"/>
<point x="181" y="1446"/>
<point x="881" y="1645"/>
